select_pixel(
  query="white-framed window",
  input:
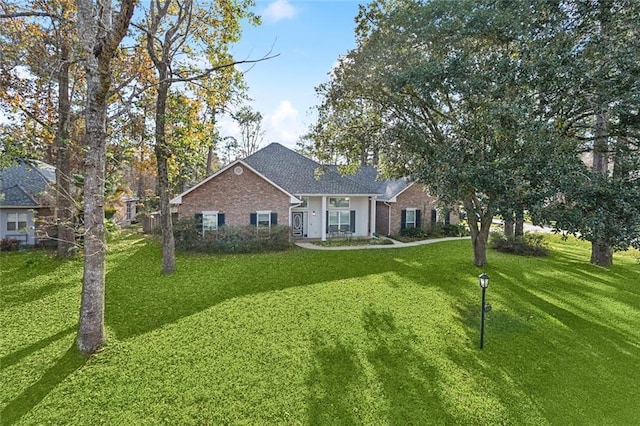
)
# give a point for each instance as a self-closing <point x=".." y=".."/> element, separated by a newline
<point x="339" y="220"/>
<point x="209" y="221"/>
<point x="263" y="219"/>
<point x="16" y="221"/>
<point x="411" y="221"/>
<point x="339" y="202"/>
<point x="128" y="216"/>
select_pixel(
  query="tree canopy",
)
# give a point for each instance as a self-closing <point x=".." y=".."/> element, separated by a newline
<point x="475" y="99"/>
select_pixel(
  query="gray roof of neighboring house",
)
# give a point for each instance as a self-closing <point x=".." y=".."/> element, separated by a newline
<point x="23" y="183"/>
<point x="300" y="175"/>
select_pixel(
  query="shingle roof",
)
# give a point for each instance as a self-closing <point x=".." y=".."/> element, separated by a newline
<point x="21" y="184"/>
<point x="300" y="175"/>
<point x="385" y="188"/>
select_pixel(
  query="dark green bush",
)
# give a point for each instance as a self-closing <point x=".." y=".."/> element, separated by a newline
<point x="453" y="230"/>
<point x="9" y="244"/>
<point x="413" y="232"/>
<point x="447" y="230"/>
<point x="529" y="245"/>
<point x="231" y="239"/>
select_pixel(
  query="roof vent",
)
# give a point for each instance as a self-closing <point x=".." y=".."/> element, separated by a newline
<point x="238" y="170"/>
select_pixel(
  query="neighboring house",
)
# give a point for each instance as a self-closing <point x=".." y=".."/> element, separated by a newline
<point x="126" y="210"/>
<point x="279" y="186"/>
<point x="24" y="196"/>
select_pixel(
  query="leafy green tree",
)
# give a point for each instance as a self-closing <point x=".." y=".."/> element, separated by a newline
<point x="450" y="104"/>
<point x="189" y="135"/>
<point x="597" y="98"/>
<point x="39" y="69"/>
<point x="492" y="104"/>
<point x="188" y="43"/>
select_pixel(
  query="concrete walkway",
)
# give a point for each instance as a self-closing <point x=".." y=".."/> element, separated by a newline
<point x="396" y="244"/>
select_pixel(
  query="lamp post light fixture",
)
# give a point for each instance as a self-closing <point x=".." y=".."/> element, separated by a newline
<point x="483" y="280"/>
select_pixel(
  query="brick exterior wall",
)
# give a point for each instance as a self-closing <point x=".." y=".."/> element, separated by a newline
<point x="382" y="218"/>
<point x="236" y="196"/>
<point x="413" y="197"/>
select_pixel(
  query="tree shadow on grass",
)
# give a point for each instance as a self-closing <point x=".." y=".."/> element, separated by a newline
<point x="140" y="299"/>
<point x="22" y="266"/>
<point x="30" y="397"/>
<point x="555" y="340"/>
<point x="15" y="357"/>
<point x="409" y="380"/>
<point x="333" y="384"/>
<point x="16" y="289"/>
<point x="571" y="302"/>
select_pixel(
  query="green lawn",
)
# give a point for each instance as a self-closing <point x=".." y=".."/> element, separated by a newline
<point x="325" y="337"/>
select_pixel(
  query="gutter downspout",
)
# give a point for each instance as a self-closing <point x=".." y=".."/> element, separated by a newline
<point x="389" y="217"/>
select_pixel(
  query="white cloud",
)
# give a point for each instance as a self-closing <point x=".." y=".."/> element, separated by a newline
<point x="284" y="112"/>
<point x="284" y="125"/>
<point x="279" y="10"/>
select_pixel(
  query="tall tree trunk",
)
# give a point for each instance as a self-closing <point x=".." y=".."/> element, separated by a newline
<point x="100" y="37"/>
<point x="479" y="234"/>
<point x="209" y="161"/>
<point x="601" y="251"/>
<point x="519" y="225"/>
<point x="162" y="155"/>
<point x="211" y="150"/>
<point x="140" y="189"/>
<point x="508" y="226"/>
<point x="64" y="198"/>
<point x="91" y="333"/>
<point x="601" y="254"/>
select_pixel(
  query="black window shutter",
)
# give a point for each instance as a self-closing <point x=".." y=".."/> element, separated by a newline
<point x="434" y="217"/>
<point x="253" y="218"/>
<point x="274" y="218"/>
<point x="418" y="219"/>
<point x="220" y="219"/>
<point x="447" y="218"/>
<point x="198" y="218"/>
<point x="403" y="219"/>
<point x="327" y="221"/>
<point x="352" y="221"/>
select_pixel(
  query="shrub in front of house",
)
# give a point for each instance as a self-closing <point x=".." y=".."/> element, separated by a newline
<point x="440" y="230"/>
<point x="527" y="245"/>
<point x="414" y="232"/>
<point x="9" y="244"/>
<point x="451" y="230"/>
<point x="231" y="239"/>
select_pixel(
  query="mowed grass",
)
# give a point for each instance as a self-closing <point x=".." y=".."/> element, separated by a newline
<point x="368" y="337"/>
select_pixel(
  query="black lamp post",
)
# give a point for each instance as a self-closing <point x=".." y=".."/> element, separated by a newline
<point x="484" y="283"/>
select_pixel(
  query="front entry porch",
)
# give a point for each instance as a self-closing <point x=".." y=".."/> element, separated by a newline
<point x="322" y="217"/>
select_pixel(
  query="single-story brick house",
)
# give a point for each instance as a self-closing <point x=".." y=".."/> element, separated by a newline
<point x="279" y="186"/>
<point x="25" y="195"/>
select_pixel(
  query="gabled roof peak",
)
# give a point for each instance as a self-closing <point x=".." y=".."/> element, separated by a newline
<point x="301" y="175"/>
<point x="23" y="182"/>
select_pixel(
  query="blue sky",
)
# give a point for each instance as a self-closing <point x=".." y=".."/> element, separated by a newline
<point x="309" y="37"/>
